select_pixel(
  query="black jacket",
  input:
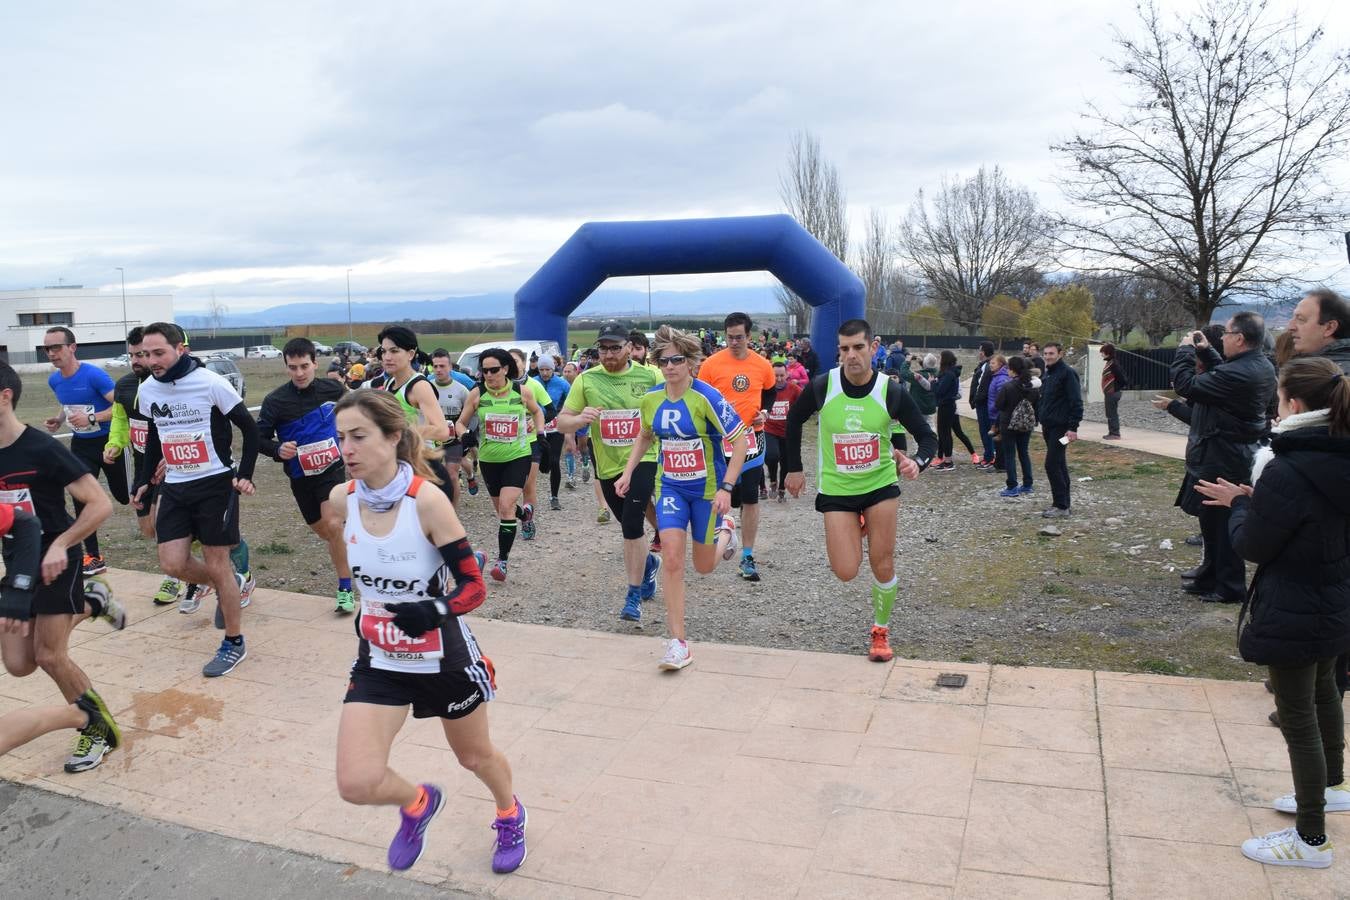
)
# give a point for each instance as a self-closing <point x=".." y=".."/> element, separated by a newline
<point x="1228" y="415"/>
<point x="1013" y="392"/>
<point x="1296" y="525"/>
<point x="979" y="386"/>
<point x="1061" y="403"/>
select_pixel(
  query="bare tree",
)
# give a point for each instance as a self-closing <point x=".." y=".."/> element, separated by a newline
<point x="811" y="191"/>
<point x="1212" y="177"/>
<point x="983" y="237"/>
<point x="216" y="314"/>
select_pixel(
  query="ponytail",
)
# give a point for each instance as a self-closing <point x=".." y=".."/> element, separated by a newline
<point x="1319" y="384"/>
<point x="1339" y="407"/>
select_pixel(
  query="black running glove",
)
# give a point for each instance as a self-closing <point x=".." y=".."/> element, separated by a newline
<point x="416" y="619"/>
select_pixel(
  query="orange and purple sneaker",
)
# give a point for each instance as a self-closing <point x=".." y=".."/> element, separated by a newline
<point x="510" y="851"/>
<point x="411" y="838"/>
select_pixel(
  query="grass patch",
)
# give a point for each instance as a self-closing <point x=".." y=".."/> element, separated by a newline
<point x="275" y="548"/>
<point x="1160" y="667"/>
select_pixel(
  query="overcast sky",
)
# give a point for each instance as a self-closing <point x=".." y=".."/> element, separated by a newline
<point x="259" y="150"/>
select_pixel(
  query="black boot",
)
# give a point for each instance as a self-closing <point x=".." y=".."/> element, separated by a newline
<point x="1200" y="571"/>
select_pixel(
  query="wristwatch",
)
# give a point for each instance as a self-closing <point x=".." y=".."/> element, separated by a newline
<point x="726" y="486"/>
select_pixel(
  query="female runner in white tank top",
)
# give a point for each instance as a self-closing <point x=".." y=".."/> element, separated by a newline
<point x="417" y="578"/>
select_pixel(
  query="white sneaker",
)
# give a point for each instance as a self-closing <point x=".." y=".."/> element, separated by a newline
<point x="677" y="655"/>
<point x="1286" y="848"/>
<point x="1338" y="800"/>
<point x="729" y="525"/>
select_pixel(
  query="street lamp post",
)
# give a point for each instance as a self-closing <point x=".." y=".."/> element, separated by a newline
<point x="349" y="306"/>
<point x="124" y="301"/>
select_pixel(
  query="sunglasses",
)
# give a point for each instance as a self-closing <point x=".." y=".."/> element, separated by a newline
<point x="493" y="370"/>
<point x="610" y="348"/>
<point x="52" y="348"/>
<point x="664" y="361"/>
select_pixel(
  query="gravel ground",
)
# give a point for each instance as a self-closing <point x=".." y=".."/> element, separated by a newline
<point x="1137" y="414"/>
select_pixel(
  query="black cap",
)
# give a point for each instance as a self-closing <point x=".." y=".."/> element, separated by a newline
<point x="612" y="331"/>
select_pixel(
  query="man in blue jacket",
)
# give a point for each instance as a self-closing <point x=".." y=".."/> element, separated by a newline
<point x="1060" y="411"/>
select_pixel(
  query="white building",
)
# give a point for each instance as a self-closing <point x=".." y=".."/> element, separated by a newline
<point x="96" y="318"/>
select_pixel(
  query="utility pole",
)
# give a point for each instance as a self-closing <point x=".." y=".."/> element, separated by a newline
<point x="349" y="305"/>
<point x="123" y="273"/>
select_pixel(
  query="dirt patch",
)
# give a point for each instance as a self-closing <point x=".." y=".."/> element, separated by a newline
<point x="169" y="712"/>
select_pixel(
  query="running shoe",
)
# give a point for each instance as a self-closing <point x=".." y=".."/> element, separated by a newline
<point x="763" y="493"/>
<point x="1337" y="798"/>
<point x="571" y="482"/>
<point x="192" y="599"/>
<point x="94" y="565"/>
<point x="90" y="748"/>
<point x="527" y="523"/>
<point x="100" y="719"/>
<point x="1010" y="492"/>
<point x="473" y="487"/>
<point x="227" y="657"/>
<point x="782" y="495"/>
<point x="481" y="558"/>
<point x="585" y="474"/>
<point x="168" y="591"/>
<point x="113" y="613"/>
<point x="510" y="851"/>
<point x="498" y="570"/>
<point x="554" y="505"/>
<point x="880" y="651"/>
<point x="945" y="466"/>
<point x="246" y="589"/>
<point x="749" y="571"/>
<point x="346" y="601"/>
<point x="1287" y="848"/>
<point x="410" y="841"/>
<point x="603" y="516"/>
<point x="677" y="656"/>
<point x="649" y="572"/>
<point x="632" y="605"/>
<point x="728" y="524"/>
<point x="246" y="585"/>
<point x="1024" y="489"/>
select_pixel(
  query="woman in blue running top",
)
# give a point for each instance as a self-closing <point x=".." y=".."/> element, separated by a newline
<point x="693" y="423"/>
<point x="417" y="579"/>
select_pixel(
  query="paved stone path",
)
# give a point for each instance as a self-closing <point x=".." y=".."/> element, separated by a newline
<point x="754" y="773"/>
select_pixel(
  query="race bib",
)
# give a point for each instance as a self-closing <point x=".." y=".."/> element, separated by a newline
<point x="139" y="429"/>
<point x="551" y="426"/>
<point x="185" y="451"/>
<point x="378" y="628"/>
<point x="501" y="428"/>
<point x="683" y="460"/>
<point x="20" y="498"/>
<point x="751" y="445"/>
<point x="91" y="428"/>
<point x="317" y="457"/>
<point x="778" y="412"/>
<point x="856" y="452"/>
<point x="619" y="427"/>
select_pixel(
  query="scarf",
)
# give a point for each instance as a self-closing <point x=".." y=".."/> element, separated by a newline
<point x="386" y="498"/>
<point x="1310" y="419"/>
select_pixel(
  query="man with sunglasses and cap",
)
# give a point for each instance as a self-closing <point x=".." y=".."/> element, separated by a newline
<point x="610" y="396"/>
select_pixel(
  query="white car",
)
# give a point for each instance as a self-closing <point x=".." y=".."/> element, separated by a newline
<point x="468" y="360"/>
<point x="267" y="351"/>
<point x="322" y="349"/>
<point x="118" y="362"/>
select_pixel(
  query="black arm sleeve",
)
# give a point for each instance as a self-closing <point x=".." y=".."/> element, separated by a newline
<point x="23" y="563"/>
<point x="766" y="398"/>
<point x="248" y="429"/>
<point x="154" y="453"/>
<point x="805" y="406"/>
<point x="267" y="432"/>
<point x="901" y="407"/>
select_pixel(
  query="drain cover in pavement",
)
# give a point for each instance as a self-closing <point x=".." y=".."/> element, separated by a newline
<point x="951" y="680"/>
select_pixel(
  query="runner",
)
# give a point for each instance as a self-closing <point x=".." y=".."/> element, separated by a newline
<point x="505" y="453"/>
<point x="297" y="428"/>
<point x="859" y="493"/>
<point x="528" y="383"/>
<point x="401" y="363"/>
<point x="85" y="393"/>
<point x="36" y="472"/>
<point x="415" y="646"/>
<point x="127" y="429"/>
<point x="552" y="440"/>
<point x="451" y="393"/>
<point x="191" y="409"/>
<point x="468" y="462"/>
<point x="691" y="421"/>
<point x="610" y="395"/>
<point x="775" y="430"/>
<point x="746" y="380"/>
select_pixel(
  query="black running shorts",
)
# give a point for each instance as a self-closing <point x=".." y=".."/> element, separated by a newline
<point x="631" y="509"/>
<point x="447" y="695"/>
<point x="505" y="474"/>
<point x="206" y="509"/>
<point x="856" y="504"/>
<point x="312" y="491"/>
<point x="747" y="487"/>
<point x="65" y="595"/>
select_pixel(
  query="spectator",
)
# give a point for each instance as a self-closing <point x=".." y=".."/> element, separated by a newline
<point x="878" y="354"/>
<point x="1032" y="351"/>
<point x="1113" y="382"/>
<point x="979" y="398"/>
<point x="1321" y="327"/>
<point x="946" y="391"/>
<point x="1020" y="385"/>
<point x="1228" y="418"/>
<point x="1060" y="411"/>
<point x="897" y="363"/>
<point x="920" y="384"/>
<point x="810" y="359"/>
<point x="994" y="381"/>
<point x="1293" y="521"/>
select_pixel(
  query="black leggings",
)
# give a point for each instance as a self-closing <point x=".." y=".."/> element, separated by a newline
<point x="1313" y="726"/>
<point x="773" y="452"/>
<point x="631" y="509"/>
<point x="550" y="459"/>
<point x="90" y="452"/>
<point x="949" y="423"/>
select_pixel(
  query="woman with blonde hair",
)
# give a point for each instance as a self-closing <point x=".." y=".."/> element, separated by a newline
<point x="415" y="648"/>
<point x="692" y="423"/>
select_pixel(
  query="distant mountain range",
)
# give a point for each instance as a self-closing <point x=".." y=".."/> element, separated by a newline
<point x="629" y="304"/>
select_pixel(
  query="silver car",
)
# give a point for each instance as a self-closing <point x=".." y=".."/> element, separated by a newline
<point x="225" y="367"/>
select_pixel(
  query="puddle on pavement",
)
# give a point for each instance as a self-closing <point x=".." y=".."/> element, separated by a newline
<point x="169" y="712"/>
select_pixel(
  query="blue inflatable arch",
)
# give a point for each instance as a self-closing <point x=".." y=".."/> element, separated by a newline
<point x="776" y="244"/>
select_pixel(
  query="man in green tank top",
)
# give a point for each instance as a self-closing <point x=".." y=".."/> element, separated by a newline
<point x="857" y="469"/>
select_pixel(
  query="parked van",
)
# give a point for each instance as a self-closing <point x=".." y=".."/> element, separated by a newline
<point x="468" y="360"/>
